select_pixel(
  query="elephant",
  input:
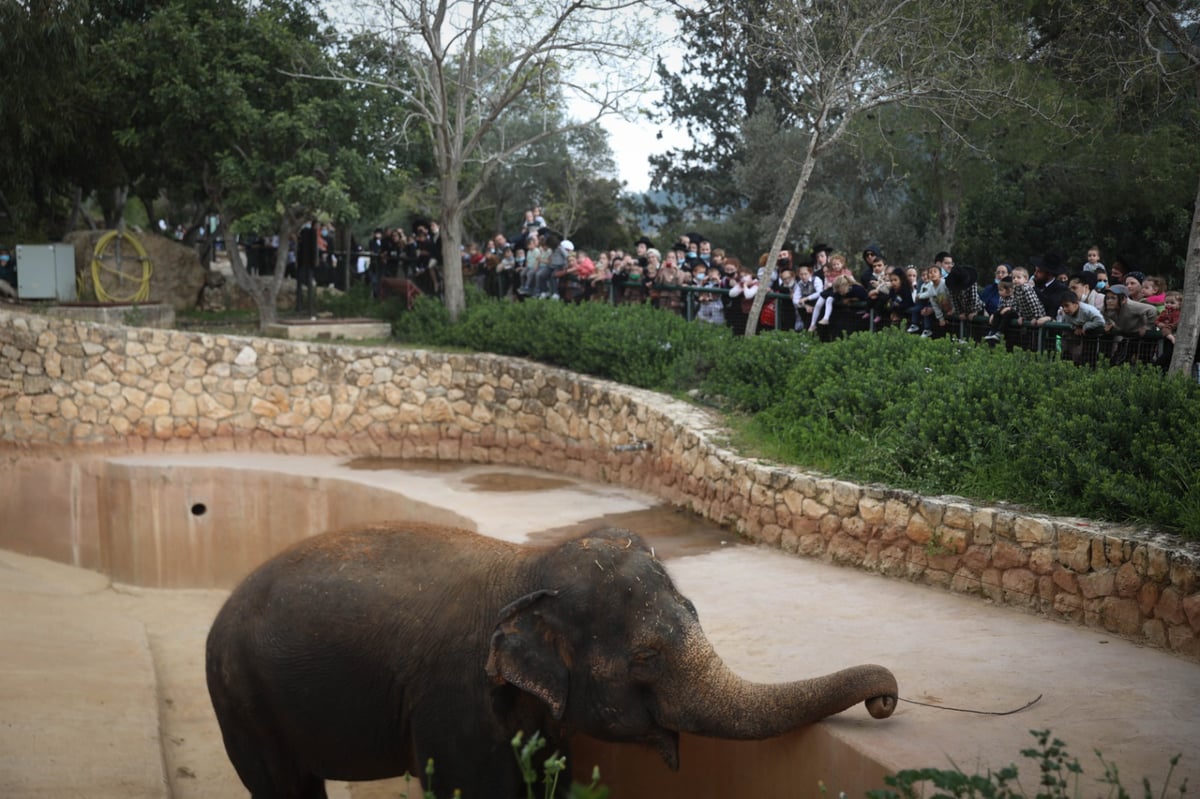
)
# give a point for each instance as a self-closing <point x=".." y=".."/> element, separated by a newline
<point x="361" y="654"/>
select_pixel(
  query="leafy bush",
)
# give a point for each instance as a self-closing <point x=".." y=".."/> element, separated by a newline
<point x="354" y="302"/>
<point x="1059" y="777"/>
<point x="636" y="345"/>
<point x="934" y="416"/>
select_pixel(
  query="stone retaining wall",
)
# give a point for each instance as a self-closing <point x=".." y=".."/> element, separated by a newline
<point x="74" y="389"/>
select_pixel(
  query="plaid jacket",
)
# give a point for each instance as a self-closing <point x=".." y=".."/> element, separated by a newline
<point x="1028" y="305"/>
<point x="966" y="302"/>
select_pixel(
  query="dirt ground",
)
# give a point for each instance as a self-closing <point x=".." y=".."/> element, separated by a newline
<point x="102" y="688"/>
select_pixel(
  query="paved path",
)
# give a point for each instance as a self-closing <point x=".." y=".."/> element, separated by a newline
<point x="102" y="689"/>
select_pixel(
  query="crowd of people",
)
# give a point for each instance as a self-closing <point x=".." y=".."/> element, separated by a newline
<point x="1083" y="309"/>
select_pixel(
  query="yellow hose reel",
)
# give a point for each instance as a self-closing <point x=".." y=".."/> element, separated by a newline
<point x="110" y="277"/>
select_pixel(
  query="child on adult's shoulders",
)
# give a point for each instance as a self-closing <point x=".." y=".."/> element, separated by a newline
<point x="1092" y="264"/>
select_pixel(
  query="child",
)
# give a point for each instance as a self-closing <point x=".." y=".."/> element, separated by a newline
<point x="742" y="293"/>
<point x="1093" y="259"/>
<point x="785" y="310"/>
<point x="808" y="292"/>
<point x="1006" y="310"/>
<point x="601" y="280"/>
<point x="932" y="299"/>
<point x="847" y="290"/>
<point x="1029" y="305"/>
<point x="824" y="304"/>
<point x="1167" y="323"/>
<point x="712" y="309"/>
<point x="1084" y="320"/>
<point x="1168" y="318"/>
<point x="900" y="301"/>
<point x="1155" y="291"/>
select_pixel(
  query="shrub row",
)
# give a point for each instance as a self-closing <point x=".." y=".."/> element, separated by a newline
<point x="939" y="417"/>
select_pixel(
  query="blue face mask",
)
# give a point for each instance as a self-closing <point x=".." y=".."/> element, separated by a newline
<point x="4" y="259"/>
<point x="1101" y="284"/>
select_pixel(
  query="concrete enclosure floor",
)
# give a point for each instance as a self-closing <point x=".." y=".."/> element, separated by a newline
<point x="102" y="687"/>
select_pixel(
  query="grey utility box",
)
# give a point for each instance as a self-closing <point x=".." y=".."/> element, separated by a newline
<point x="46" y="272"/>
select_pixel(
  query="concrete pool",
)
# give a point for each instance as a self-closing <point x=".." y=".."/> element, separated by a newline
<point x="174" y="532"/>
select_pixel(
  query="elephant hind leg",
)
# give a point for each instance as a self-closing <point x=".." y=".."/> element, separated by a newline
<point x="270" y="774"/>
<point x="308" y="787"/>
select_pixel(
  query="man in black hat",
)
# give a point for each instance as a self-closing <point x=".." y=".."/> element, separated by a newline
<point x="820" y="257"/>
<point x="1049" y="288"/>
<point x="640" y="247"/>
<point x="871" y="256"/>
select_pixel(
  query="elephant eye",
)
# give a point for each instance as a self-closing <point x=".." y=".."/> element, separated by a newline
<point x="644" y="664"/>
<point x="645" y="655"/>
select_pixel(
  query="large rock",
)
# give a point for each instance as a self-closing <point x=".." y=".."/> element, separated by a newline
<point x="176" y="279"/>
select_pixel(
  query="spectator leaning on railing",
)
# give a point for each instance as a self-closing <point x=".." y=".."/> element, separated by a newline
<point x="1085" y="321"/>
<point x="1125" y="316"/>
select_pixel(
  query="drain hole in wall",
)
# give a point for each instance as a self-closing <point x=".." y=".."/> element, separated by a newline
<point x="199" y="509"/>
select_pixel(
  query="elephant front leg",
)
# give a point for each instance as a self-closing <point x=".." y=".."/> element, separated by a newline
<point x="468" y="763"/>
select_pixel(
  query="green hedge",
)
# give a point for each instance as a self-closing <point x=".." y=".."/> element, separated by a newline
<point x="935" y="416"/>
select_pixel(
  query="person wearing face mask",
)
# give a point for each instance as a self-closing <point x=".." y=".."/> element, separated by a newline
<point x="991" y="292"/>
<point x="1083" y="284"/>
<point x="8" y="272"/>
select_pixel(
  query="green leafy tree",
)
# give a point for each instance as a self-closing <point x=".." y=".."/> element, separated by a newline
<point x="1140" y="62"/>
<point x="710" y="85"/>
<point x="230" y="120"/>
<point x="56" y="114"/>
<point x="854" y="57"/>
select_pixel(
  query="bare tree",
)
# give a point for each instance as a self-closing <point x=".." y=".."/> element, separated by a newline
<point x="464" y="65"/>
<point x="1171" y="27"/>
<point x="853" y="56"/>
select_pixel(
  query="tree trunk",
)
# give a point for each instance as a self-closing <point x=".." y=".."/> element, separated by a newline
<point x="785" y="224"/>
<point x="949" y="205"/>
<point x="1188" y="333"/>
<point x="451" y="241"/>
<point x="264" y="293"/>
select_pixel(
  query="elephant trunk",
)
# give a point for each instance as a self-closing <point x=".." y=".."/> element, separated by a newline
<point x="715" y="702"/>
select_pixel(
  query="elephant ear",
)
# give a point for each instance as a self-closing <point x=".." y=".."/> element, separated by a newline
<point x="526" y="651"/>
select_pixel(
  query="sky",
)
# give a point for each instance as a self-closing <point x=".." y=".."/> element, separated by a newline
<point x="633" y="144"/>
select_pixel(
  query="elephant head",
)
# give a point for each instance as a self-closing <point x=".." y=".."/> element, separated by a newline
<point x="615" y="651"/>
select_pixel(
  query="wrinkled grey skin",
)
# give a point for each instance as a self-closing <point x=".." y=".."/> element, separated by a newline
<point x="359" y="655"/>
